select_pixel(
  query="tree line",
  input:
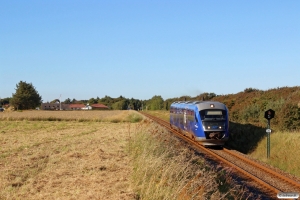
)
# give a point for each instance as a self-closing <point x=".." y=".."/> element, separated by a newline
<point x="244" y="107"/>
<point x="27" y="97"/>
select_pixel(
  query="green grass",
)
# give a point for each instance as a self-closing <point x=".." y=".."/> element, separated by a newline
<point x="134" y="117"/>
<point x="284" y="151"/>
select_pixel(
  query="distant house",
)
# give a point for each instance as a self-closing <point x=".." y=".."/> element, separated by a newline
<point x="87" y="107"/>
<point x="54" y="106"/>
<point x="99" y="106"/>
<point x="76" y="106"/>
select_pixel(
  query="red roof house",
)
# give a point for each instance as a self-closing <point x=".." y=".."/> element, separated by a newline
<point x="99" y="106"/>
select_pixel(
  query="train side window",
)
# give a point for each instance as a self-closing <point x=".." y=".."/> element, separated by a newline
<point x="196" y="119"/>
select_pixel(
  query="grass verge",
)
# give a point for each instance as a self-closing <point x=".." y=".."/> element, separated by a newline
<point x="284" y="151"/>
<point x="164" y="169"/>
<point x="251" y="140"/>
<point x="163" y="114"/>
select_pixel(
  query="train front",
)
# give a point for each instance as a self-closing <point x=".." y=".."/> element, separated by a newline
<point x="215" y="123"/>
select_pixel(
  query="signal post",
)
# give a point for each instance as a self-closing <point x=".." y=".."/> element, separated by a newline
<point x="269" y="114"/>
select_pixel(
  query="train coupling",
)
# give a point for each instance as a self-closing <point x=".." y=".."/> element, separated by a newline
<point x="215" y="135"/>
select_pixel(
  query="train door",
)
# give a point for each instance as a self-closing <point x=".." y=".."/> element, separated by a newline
<point x="195" y="121"/>
<point x="184" y="119"/>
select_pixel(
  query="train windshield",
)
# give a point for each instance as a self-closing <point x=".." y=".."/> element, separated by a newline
<point x="213" y="114"/>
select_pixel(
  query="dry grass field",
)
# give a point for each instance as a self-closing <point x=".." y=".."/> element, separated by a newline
<point x="165" y="168"/>
<point x="97" y="116"/>
<point x="163" y="114"/>
<point x="65" y="159"/>
<point x="102" y="155"/>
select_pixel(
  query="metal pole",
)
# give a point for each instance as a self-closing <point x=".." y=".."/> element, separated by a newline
<point x="268" y="140"/>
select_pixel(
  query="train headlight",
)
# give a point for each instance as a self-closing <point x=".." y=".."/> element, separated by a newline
<point x="208" y="127"/>
<point x="220" y="127"/>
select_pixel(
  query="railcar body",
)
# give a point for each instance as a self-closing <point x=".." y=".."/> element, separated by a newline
<point x="205" y="121"/>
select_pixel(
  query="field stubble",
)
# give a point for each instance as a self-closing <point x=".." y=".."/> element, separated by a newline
<point x="64" y="159"/>
<point x="73" y="156"/>
<point x="81" y="116"/>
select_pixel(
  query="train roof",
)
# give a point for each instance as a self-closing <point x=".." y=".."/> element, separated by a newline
<point x="200" y="104"/>
<point x="194" y="102"/>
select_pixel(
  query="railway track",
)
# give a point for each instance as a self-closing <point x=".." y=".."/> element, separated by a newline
<point x="272" y="180"/>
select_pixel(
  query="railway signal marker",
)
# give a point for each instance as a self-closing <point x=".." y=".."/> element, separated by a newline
<point x="269" y="114"/>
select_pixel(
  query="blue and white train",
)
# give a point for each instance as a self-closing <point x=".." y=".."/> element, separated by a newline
<point x="204" y="121"/>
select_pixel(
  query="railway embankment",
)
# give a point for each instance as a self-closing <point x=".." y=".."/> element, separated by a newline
<point x="167" y="168"/>
<point x="272" y="178"/>
<point x="252" y="140"/>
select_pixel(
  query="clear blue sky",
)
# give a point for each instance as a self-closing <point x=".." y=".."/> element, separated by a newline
<point x="138" y="49"/>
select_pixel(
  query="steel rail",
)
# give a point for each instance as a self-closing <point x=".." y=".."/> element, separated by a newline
<point x="253" y="163"/>
<point x="266" y="169"/>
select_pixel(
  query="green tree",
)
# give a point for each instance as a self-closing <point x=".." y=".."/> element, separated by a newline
<point x="5" y="101"/>
<point x="121" y="105"/>
<point x="92" y="101"/>
<point x="68" y="101"/>
<point x="55" y="101"/>
<point x="74" y="100"/>
<point x="166" y="105"/>
<point x="26" y="96"/>
<point x="156" y="103"/>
